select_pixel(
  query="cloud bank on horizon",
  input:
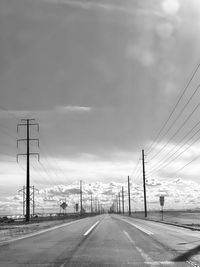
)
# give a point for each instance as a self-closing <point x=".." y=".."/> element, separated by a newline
<point x="179" y="194"/>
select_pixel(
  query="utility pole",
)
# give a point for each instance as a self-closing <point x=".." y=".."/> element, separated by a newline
<point x="123" y="199"/>
<point x="81" y="198"/>
<point x="33" y="200"/>
<point x="32" y="197"/>
<point x="91" y="204"/>
<point x="119" y="203"/>
<point x="129" y="198"/>
<point x="144" y="185"/>
<point x="27" y="123"/>
<point x="24" y="198"/>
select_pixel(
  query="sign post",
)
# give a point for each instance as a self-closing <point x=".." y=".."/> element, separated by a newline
<point x="162" y="200"/>
<point x="63" y="206"/>
<point x="76" y="207"/>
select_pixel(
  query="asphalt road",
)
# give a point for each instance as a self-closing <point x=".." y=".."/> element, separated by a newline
<point x="105" y="240"/>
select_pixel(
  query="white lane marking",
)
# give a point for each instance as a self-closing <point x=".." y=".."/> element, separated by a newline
<point x="91" y="228"/>
<point x="139" y="263"/>
<point x="158" y="263"/>
<point x="40" y="232"/>
<point x="142" y="253"/>
<point x="147" y="258"/>
<point x="139" y="227"/>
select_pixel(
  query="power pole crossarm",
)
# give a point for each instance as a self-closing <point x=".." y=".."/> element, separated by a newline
<point x="25" y="154"/>
<point x="25" y="140"/>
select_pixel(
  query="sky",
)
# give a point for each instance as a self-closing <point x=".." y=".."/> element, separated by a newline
<point x="101" y="78"/>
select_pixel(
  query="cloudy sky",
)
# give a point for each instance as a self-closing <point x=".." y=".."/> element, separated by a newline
<point x="101" y="78"/>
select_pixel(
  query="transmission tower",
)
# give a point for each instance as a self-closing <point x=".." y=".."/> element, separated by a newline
<point x="27" y="123"/>
<point x="32" y="198"/>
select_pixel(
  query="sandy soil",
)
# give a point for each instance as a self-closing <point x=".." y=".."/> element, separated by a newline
<point x="187" y="218"/>
<point x="11" y="231"/>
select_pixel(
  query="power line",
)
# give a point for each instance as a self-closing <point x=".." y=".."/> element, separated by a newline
<point x="178" y="154"/>
<point x="185" y="143"/>
<point x="180" y="113"/>
<point x="55" y="161"/>
<point x="179" y="170"/>
<point x="173" y="110"/>
<point x="9" y="112"/>
<point x="182" y="125"/>
<point x="173" y="148"/>
<point x="136" y="168"/>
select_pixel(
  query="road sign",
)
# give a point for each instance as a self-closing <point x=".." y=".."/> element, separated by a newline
<point x="162" y="200"/>
<point x="76" y="207"/>
<point x="63" y="205"/>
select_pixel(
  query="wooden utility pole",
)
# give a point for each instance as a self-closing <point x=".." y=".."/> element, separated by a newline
<point x="144" y="185"/>
<point x="123" y="199"/>
<point x="91" y="204"/>
<point x="129" y="198"/>
<point x="119" y="202"/>
<point x="81" y="198"/>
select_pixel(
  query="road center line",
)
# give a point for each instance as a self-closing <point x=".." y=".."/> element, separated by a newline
<point x="91" y="228"/>
<point x="139" y="227"/>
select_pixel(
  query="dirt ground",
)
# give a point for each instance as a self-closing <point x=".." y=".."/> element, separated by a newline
<point x="188" y="218"/>
<point x="12" y="231"/>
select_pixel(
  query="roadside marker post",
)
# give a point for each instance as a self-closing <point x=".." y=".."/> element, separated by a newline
<point x="162" y="200"/>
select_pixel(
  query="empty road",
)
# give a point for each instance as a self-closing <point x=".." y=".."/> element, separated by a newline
<point x="105" y="240"/>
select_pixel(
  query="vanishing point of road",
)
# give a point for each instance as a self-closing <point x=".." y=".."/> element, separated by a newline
<point x="105" y="240"/>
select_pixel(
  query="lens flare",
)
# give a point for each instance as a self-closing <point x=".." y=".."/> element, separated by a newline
<point x="171" y="7"/>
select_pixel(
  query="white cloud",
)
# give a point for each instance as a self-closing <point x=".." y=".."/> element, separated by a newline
<point x="73" y="109"/>
<point x="179" y="194"/>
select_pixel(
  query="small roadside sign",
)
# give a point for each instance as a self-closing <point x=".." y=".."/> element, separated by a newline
<point x="76" y="207"/>
<point x="63" y="205"/>
<point x="162" y="200"/>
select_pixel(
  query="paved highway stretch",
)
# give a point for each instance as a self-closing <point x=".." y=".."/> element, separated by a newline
<point x="105" y="240"/>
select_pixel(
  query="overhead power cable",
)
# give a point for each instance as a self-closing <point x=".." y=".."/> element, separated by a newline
<point x="55" y="161"/>
<point x="179" y="170"/>
<point x="9" y="112"/>
<point x="182" y="125"/>
<point x="136" y="168"/>
<point x="167" y="164"/>
<point x="185" y="143"/>
<point x="177" y="145"/>
<point x="173" y="110"/>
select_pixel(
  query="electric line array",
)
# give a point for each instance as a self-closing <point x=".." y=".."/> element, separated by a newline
<point x="168" y="145"/>
<point x="49" y="169"/>
<point x="170" y="148"/>
<point x="154" y="142"/>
